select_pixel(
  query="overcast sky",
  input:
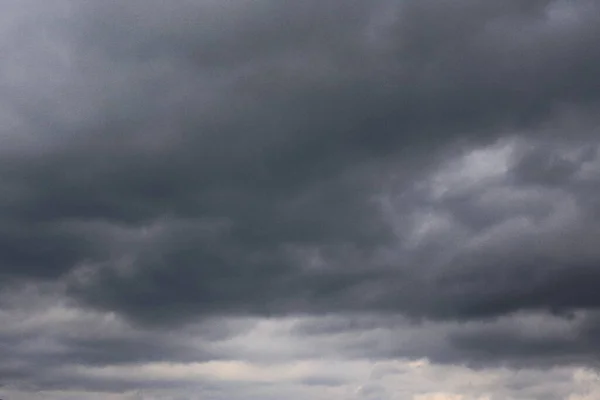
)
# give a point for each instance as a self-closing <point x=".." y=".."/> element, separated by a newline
<point x="302" y="200"/>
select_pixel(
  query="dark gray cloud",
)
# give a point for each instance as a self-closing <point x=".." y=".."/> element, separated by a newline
<point x="516" y="342"/>
<point x="175" y="162"/>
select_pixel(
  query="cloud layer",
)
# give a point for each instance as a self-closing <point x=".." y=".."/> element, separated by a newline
<point x="404" y="180"/>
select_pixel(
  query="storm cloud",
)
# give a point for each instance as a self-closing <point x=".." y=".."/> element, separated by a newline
<point x="177" y="173"/>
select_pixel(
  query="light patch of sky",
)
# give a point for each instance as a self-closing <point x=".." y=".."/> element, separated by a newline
<point x="480" y="166"/>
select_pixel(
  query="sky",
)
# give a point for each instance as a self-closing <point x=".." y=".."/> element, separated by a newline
<point x="316" y="199"/>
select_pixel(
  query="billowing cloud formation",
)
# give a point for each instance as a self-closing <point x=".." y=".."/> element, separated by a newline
<point x="172" y="173"/>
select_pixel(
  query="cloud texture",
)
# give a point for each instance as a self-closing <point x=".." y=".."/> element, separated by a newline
<point x="261" y="198"/>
